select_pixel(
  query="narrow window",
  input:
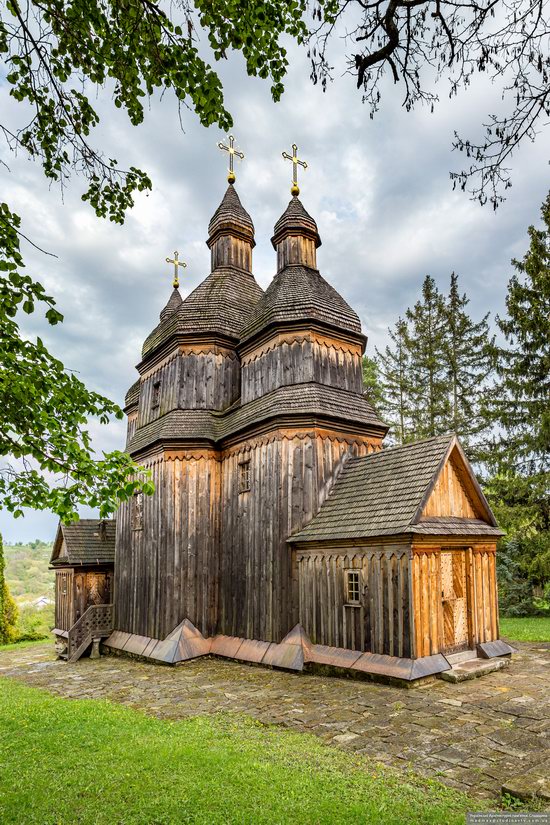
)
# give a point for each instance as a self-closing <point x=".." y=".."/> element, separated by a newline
<point x="352" y="581"/>
<point x="137" y="511"/>
<point x="156" y="394"/>
<point x="244" y="476"/>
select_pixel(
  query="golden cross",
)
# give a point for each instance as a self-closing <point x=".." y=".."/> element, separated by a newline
<point x="232" y="152"/>
<point x="176" y="261"/>
<point x="295" y="189"/>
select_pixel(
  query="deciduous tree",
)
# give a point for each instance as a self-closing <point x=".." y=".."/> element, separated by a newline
<point x="8" y="608"/>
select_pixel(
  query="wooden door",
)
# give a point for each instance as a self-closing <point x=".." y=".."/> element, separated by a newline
<point x="454" y="601"/>
<point x="63" y="599"/>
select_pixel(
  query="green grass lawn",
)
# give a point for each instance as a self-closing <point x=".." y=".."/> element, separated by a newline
<point x="89" y="761"/>
<point x="526" y="630"/>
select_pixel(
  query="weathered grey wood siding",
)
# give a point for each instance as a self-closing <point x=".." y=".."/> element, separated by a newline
<point x="290" y="473"/>
<point x="193" y="380"/>
<point x="298" y="362"/>
<point x="381" y="623"/>
<point x="168" y="570"/>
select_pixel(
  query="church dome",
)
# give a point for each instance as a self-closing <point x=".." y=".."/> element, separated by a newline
<point x="299" y="292"/>
<point x="295" y="220"/>
<point x="230" y="215"/>
<point x="221" y="304"/>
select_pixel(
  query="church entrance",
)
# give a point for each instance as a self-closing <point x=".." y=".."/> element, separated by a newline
<point x="454" y="601"/>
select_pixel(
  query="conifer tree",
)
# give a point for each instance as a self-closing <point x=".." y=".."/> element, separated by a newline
<point x="371" y="382"/>
<point x="519" y="460"/>
<point x="522" y="398"/>
<point x="468" y="365"/>
<point x="395" y="384"/>
<point x="8" y="608"/>
<point x="427" y="349"/>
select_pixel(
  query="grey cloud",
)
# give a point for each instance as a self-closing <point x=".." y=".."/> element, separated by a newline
<point x="379" y="190"/>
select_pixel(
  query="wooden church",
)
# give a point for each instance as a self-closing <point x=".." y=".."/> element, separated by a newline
<point x="281" y="531"/>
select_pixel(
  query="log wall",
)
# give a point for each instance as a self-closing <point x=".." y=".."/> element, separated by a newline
<point x="381" y="623"/>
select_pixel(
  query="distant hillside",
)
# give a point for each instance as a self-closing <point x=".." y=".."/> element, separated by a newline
<point x="27" y="571"/>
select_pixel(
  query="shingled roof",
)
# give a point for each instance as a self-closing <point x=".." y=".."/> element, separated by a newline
<point x="220" y="304"/>
<point x="295" y="217"/>
<point x="310" y="399"/>
<point x="87" y="542"/>
<point x="298" y="293"/>
<point x="230" y="212"/>
<point x="382" y="494"/>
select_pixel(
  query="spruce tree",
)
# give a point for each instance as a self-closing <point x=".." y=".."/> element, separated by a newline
<point x="468" y="348"/>
<point x="520" y="407"/>
<point x="394" y="365"/>
<point x="8" y="608"/>
<point x="522" y="398"/>
<point x="371" y="382"/>
<point x="426" y="343"/>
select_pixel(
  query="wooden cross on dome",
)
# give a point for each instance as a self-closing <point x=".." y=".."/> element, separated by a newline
<point x="295" y="189"/>
<point x="232" y="152"/>
<point x="176" y="261"/>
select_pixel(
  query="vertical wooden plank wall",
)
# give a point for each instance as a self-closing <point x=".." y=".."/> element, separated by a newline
<point x="481" y="593"/>
<point x="208" y="378"/>
<point x="381" y="624"/>
<point x="426" y="598"/>
<point x="482" y="585"/>
<point x="289" y="471"/>
<point x="169" y="570"/>
<point x="295" y="358"/>
<point x="64" y="599"/>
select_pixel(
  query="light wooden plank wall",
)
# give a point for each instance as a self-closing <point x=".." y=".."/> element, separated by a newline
<point x="289" y="474"/>
<point x="381" y="624"/>
<point x="449" y="498"/>
<point x="299" y="362"/>
<point x="427" y="601"/>
<point x="481" y="593"/>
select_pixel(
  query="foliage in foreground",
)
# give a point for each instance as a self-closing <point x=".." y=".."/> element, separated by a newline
<point x="111" y="764"/>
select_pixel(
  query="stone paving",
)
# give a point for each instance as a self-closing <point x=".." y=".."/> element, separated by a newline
<point x="476" y="736"/>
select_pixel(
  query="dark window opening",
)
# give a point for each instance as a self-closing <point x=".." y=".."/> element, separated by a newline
<point x="156" y="394"/>
<point x="244" y="476"/>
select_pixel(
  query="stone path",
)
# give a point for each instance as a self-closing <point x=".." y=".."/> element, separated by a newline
<point x="476" y="736"/>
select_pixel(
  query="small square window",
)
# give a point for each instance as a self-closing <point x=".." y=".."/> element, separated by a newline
<point x="244" y="476"/>
<point x="352" y="582"/>
<point x="156" y="394"/>
<point x="137" y="511"/>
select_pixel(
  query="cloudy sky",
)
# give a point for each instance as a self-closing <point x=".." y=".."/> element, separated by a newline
<point x="378" y="189"/>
